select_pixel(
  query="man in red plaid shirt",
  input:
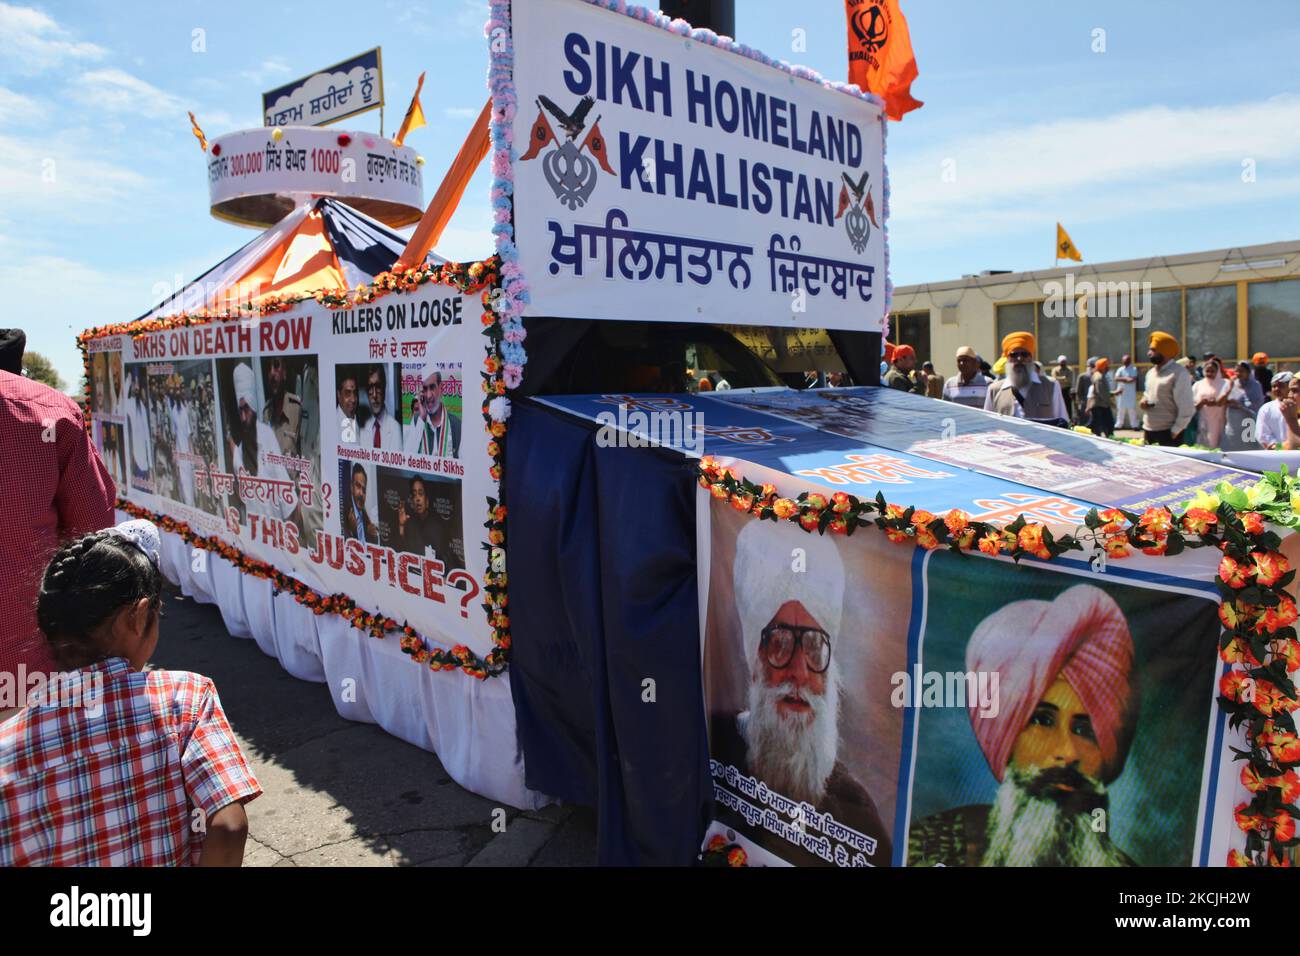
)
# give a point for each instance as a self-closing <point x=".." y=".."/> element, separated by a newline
<point x="55" y="487"/>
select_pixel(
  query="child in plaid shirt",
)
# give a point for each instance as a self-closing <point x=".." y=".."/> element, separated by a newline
<point x="122" y="767"/>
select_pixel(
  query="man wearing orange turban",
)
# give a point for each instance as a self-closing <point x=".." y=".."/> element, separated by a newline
<point x="1024" y="393"/>
<point x="901" y="372"/>
<point x="1167" y="401"/>
<point x="1063" y="675"/>
<point x="1263" y="374"/>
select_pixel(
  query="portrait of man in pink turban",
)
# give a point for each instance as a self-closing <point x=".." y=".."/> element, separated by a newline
<point x="1067" y="709"/>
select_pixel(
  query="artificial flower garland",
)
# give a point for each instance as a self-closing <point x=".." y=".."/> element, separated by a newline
<point x="465" y="278"/>
<point x="1259" y="638"/>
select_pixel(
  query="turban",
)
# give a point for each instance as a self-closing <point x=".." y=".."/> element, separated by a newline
<point x="244" y="386"/>
<point x="1260" y="358"/>
<point x="889" y="352"/>
<point x="1081" y="636"/>
<point x="1019" y="340"/>
<point x="904" y="351"/>
<point x="1103" y="364"/>
<point x="1163" y="343"/>
<point x="1000" y="365"/>
<point x="765" y="580"/>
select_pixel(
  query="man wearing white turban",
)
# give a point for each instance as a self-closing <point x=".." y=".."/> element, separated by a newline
<point x="790" y="607"/>
<point x="1066" y="717"/>
<point x="252" y="446"/>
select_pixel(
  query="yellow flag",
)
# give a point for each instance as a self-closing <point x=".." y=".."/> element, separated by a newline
<point x="1065" y="247"/>
<point x="194" y="128"/>
<point x="414" y="118"/>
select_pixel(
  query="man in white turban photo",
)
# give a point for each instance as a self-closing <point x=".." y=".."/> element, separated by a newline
<point x="1067" y="714"/>
<point x="790" y="608"/>
<point x="250" y="442"/>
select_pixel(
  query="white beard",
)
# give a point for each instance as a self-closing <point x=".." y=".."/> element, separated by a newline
<point x="793" y="755"/>
<point x="1018" y="376"/>
<point x="1029" y="830"/>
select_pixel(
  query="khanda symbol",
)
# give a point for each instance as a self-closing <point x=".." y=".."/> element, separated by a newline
<point x="569" y="171"/>
<point x="861" y="210"/>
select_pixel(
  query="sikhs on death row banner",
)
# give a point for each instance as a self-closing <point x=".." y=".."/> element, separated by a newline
<point x="634" y="141"/>
<point x="876" y="703"/>
<point x="328" y="443"/>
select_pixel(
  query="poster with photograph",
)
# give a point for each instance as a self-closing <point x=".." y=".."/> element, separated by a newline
<point x="1092" y="747"/>
<point x="801" y="636"/>
<point x="329" y="443"/>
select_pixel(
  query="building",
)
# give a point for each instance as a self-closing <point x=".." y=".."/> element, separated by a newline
<point x="1232" y="302"/>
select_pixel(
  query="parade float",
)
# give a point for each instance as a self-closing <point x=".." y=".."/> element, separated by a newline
<point x="841" y="626"/>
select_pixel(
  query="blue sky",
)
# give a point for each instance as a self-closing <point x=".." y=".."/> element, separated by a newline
<point x="1137" y="149"/>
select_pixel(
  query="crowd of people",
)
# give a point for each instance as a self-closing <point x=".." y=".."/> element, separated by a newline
<point x="1178" y="401"/>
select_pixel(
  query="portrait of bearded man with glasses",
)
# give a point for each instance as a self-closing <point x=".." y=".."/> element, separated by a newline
<point x="788" y="737"/>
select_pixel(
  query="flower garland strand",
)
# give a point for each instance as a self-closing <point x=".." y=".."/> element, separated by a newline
<point x="1259" y="638"/>
<point x="466" y="278"/>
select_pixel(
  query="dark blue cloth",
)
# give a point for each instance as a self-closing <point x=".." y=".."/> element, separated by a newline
<point x="603" y="597"/>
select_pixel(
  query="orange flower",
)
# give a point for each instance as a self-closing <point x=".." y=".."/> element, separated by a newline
<point x="1237" y="651"/>
<point x="1284" y="615"/>
<point x="897" y="536"/>
<point x="1117" y="546"/>
<point x="737" y="858"/>
<point x="1030" y="539"/>
<point x="894" y="512"/>
<point x="785" y="507"/>
<point x="838" y="526"/>
<point x="1114" y="520"/>
<point x="1231" y="616"/>
<point x="767" y="491"/>
<point x="1269" y="567"/>
<point x="1158" y="548"/>
<point x="956" y="521"/>
<point x="922" y="518"/>
<point x="966" y="539"/>
<point x="816" y="502"/>
<point x="1231" y="685"/>
<point x="1283" y="745"/>
<point x="1247" y="819"/>
<point x="1289" y="651"/>
<point x="1233" y="573"/>
<point x="1253" y="522"/>
<point x="1237" y="858"/>
<point x="808" y="520"/>
<point x="840" y="503"/>
<point x="719" y="491"/>
<point x="718" y="842"/>
<point x="926" y="539"/>
<point x="1199" y="520"/>
<point x="1157" y="521"/>
<point x="1283" y="825"/>
<point x="742" y="502"/>
<point x="991" y="543"/>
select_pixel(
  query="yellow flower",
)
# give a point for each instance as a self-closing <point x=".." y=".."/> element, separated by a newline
<point x="1202" y="500"/>
<point x="1295" y="501"/>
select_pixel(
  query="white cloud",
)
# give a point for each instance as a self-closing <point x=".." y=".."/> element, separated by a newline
<point x="34" y="42"/>
<point x="459" y="112"/>
<point x="16" y="108"/>
<point x="271" y="70"/>
<point x="1108" y="166"/>
<point x="117" y="91"/>
<point x="58" y="179"/>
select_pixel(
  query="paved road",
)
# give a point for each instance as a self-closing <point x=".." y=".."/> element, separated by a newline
<point x="343" y="793"/>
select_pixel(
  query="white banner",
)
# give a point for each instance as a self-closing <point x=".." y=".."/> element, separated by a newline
<point x="336" y="92"/>
<point x="663" y="178"/>
<point x="330" y="444"/>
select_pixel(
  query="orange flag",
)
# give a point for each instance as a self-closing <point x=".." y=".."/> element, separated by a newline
<point x="194" y="128"/>
<point x="844" y="201"/>
<point x="880" y="53"/>
<point x="414" y="117"/>
<point x="541" y="136"/>
<point x="595" y="141"/>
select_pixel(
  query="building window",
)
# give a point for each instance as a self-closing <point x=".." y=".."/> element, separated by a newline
<point x="1057" y="335"/>
<point x="1273" y="317"/>
<point x="912" y="328"/>
<point x="1211" y="322"/>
